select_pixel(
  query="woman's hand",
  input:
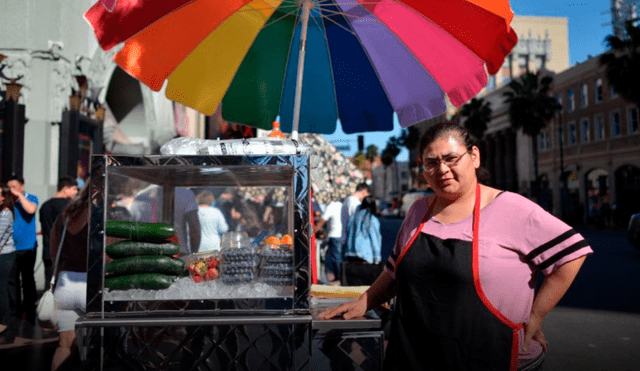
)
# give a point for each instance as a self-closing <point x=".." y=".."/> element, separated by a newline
<point x="347" y="310"/>
<point x="533" y="330"/>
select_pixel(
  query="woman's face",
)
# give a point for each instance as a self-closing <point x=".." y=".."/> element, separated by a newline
<point x="449" y="168"/>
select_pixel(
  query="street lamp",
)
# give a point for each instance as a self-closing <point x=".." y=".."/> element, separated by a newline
<point x="563" y="178"/>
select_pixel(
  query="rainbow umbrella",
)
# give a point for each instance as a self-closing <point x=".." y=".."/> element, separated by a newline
<point x="312" y="62"/>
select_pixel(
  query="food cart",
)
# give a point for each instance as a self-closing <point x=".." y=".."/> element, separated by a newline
<point x="250" y="308"/>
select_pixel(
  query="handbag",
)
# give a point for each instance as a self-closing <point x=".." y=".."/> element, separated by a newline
<point x="46" y="309"/>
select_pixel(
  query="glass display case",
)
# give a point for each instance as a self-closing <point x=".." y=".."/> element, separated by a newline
<point x="242" y="217"/>
<point x="200" y="250"/>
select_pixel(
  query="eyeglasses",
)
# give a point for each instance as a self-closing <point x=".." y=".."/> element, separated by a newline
<point x="430" y="165"/>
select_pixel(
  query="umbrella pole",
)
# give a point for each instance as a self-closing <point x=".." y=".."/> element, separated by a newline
<point x="306" y="9"/>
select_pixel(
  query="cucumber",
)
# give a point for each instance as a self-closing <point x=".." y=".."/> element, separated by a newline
<point x="140" y="231"/>
<point x="132" y="248"/>
<point x="144" y="264"/>
<point x="147" y="281"/>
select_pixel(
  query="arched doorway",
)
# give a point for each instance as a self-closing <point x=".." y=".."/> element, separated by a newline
<point x="572" y="209"/>
<point x="598" y="200"/>
<point x="627" y="194"/>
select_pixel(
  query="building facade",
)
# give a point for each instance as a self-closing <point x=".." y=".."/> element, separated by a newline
<point x="589" y="155"/>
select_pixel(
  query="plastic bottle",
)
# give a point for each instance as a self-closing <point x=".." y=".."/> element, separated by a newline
<point x="275" y="132"/>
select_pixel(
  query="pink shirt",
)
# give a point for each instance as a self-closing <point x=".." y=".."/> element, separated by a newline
<point x="517" y="239"/>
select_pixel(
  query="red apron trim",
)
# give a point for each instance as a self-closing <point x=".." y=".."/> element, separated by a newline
<point x="476" y="281"/>
<point x="415" y="235"/>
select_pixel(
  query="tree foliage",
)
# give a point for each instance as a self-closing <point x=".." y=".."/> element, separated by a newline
<point x="622" y="63"/>
<point x="530" y="105"/>
<point x="372" y="152"/>
<point x="478" y="114"/>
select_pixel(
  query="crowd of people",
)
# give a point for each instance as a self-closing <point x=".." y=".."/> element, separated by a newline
<point x="18" y="247"/>
<point x="348" y="233"/>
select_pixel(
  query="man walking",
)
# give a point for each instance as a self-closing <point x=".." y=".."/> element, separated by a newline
<point x="49" y="211"/>
<point x="22" y="285"/>
<point x="333" y="256"/>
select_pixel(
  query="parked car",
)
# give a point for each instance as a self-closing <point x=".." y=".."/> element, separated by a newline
<point x="634" y="230"/>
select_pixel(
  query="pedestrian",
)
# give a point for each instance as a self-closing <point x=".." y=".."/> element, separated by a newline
<point x="22" y="285"/>
<point x="331" y="218"/>
<point x="364" y="241"/>
<point x="148" y="205"/>
<point x="70" y="293"/>
<point x="9" y="325"/>
<point x="465" y="266"/>
<point x="350" y="205"/>
<point x="66" y="190"/>
<point x="212" y="222"/>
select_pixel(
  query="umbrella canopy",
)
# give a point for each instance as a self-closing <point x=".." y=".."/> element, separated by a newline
<point x="310" y="61"/>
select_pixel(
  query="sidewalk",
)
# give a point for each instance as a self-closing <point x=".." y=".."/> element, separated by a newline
<point x="30" y="352"/>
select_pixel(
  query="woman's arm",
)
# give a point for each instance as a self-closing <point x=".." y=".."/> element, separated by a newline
<point x="380" y="292"/>
<point x="552" y="290"/>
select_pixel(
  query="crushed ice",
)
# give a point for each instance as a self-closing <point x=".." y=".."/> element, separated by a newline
<point x="185" y="289"/>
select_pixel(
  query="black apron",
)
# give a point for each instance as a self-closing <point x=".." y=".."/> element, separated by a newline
<point x="443" y="321"/>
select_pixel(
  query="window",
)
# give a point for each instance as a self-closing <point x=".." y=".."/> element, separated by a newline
<point x="615" y="124"/>
<point x="599" y="127"/>
<point x="523" y="63"/>
<point x="584" y="98"/>
<point x="491" y="85"/>
<point x="612" y="92"/>
<point x="573" y="137"/>
<point x="570" y="101"/>
<point x="632" y="113"/>
<point x="559" y="100"/>
<point x="543" y="141"/>
<point x="584" y="130"/>
<point x="599" y="95"/>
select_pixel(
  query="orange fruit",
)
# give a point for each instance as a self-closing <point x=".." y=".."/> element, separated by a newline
<point x="273" y="240"/>
<point x="286" y="239"/>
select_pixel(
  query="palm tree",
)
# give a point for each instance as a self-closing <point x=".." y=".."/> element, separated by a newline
<point x="372" y="152"/>
<point x="531" y="107"/>
<point x="623" y="63"/>
<point x="478" y="114"/>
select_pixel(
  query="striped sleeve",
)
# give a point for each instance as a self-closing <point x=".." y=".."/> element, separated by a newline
<point x="6" y="228"/>
<point x="551" y="242"/>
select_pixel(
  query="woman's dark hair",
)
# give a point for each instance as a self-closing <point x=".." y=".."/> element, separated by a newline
<point x="439" y="130"/>
<point x="369" y="203"/>
<point x="9" y="201"/>
<point x="80" y="201"/>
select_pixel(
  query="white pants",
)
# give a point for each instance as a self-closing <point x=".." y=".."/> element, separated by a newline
<point x="70" y="297"/>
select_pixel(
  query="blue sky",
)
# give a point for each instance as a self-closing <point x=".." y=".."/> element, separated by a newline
<point x="589" y="24"/>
